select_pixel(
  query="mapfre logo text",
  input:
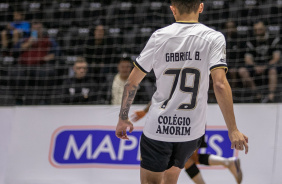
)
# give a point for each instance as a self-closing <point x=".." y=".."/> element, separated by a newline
<point x="93" y="147"/>
<point x="97" y="146"/>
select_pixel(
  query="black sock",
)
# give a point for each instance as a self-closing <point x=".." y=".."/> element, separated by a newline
<point x="192" y="171"/>
<point x="204" y="159"/>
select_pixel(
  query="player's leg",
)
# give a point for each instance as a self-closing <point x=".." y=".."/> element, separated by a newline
<point x="193" y="171"/>
<point x="158" y="157"/>
<point x="171" y="175"/>
<point x="180" y="156"/>
<point x="246" y="77"/>
<point x="272" y="84"/>
<point x="233" y="164"/>
<point x="149" y="177"/>
<point x="155" y="158"/>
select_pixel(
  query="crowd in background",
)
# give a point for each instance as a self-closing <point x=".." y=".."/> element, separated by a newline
<point x="81" y="52"/>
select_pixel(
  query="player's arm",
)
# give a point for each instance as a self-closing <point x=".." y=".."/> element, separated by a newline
<point x="275" y="58"/>
<point x="129" y="93"/>
<point x="223" y="95"/>
<point x="27" y="44"/>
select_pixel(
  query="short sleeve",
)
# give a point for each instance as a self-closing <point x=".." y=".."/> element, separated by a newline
<point x="217" y="57"/>
<point x="144" y="61"/>
<point x="275" y="45"/>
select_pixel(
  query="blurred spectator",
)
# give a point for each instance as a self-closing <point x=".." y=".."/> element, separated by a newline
<point x="117" y="84"/>
<point x="98" y="51"/>
<point x="14" y="31"/>
<point x="37" y="55"/>
<point x="232" y="57"/>
<point x="38" y="48"/>
<point x="233" y="51"/>
<point x="124" y="69"/>
<point x="80" y="89"/>
<point x="261" y="60"/>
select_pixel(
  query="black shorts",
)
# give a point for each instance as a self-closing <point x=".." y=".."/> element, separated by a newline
<point x="203" y="143"/>
<point x="158" y="156"/>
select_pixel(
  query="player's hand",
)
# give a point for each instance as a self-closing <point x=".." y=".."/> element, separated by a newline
<point x="239" y="141"/>
<point x="138" y="115"/>
<point x="122" y="127"/>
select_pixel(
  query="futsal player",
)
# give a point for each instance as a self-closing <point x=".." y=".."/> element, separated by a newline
<point x="232" y="163"/>
<point x="182" y="55"/>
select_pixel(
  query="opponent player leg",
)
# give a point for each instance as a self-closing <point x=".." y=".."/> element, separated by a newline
<point x="193" y="171"/>
<point x="233" y="164"/>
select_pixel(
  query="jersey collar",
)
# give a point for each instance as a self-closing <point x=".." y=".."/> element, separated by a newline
<point x="187" y="22"/>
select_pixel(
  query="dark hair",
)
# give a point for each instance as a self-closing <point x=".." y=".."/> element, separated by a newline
<point x="260" y="21"/>
<point x="186" y="6"/>
<point x="125" y="59"/>
<point x="18" y="10"/>
<point x="80" y="59"/>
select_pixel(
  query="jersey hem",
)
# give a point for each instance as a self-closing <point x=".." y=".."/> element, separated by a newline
<point x="164" y="139"/>
<point x="139" y="67"/>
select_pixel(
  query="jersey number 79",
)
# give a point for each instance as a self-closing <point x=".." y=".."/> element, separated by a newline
<point x="186" y="89"/>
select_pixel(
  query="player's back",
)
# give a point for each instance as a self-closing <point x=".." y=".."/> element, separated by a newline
<point x="182" y="56"/>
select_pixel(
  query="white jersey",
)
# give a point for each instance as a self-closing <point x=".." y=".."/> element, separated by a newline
<point x="182" y="56"/>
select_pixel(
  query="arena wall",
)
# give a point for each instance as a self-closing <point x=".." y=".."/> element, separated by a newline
<point x="76" y="144"/>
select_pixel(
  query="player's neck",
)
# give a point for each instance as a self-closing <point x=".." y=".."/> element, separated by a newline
<point x="192" y="17"/>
